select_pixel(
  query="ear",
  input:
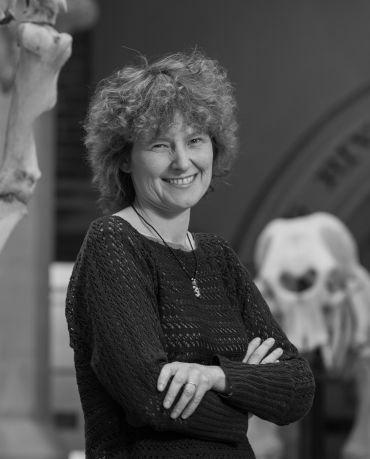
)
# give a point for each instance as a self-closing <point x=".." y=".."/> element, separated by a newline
<point x="125" y="164"/>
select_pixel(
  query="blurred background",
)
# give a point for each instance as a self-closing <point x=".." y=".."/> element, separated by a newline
<point x="301" y="71"/>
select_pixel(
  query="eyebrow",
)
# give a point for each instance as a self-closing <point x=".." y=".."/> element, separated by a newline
<point x="163" y="136"/>
<point x="160" y="138"/>
<point x="198" y="132"/>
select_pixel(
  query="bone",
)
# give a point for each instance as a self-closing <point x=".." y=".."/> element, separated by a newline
<point x="7" y="9"/>
<point x="37" y="11"/>
<point x="43" y="53"/>
<point x="358" y="443"/>
<point x="332" y="314"/>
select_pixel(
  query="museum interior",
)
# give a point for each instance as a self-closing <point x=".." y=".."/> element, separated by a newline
<point x="301" y="74"/>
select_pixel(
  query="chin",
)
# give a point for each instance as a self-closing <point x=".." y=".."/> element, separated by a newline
<point x="181" y="203"/>
<point x="188" y="203"/>
<point x="184" y="205"/>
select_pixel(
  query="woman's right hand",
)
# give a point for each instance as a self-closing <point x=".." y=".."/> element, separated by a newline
<point x="259" y="353"/>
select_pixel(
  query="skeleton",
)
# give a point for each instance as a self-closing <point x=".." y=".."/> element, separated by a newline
<point x="80" y="15"/>
<point x="309" y="273"/>
<point x="32" y="54"/>
<point x="32" y="91"/>
<point x="13" y="13"/>
<point x="36" y="11"/>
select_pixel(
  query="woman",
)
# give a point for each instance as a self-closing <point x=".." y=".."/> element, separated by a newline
<point x="174" y="346"/>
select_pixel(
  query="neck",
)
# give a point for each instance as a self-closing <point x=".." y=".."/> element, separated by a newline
<point x="173" y="227"/>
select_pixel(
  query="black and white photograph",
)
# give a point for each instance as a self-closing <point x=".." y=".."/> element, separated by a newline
<point x="184" y="229"/>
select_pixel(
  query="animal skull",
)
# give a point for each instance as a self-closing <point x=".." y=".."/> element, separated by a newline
<point x="309" y="274"/>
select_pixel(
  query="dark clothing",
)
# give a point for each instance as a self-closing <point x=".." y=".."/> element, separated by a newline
<point x="131" y="309"/>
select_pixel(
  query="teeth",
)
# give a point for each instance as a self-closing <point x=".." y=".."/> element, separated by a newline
<point x="181" y="181"/>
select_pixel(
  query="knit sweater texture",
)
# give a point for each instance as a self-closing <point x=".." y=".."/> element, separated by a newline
<point x="131" y="309"/>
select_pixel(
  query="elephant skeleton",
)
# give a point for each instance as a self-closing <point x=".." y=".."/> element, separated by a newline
<point x="308" y="271"/>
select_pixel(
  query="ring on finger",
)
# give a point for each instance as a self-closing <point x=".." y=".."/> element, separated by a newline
<point x="193" y="384"/>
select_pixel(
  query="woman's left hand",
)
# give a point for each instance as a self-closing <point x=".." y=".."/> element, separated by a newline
<point x="259" y="352"/>
<point x="194" y="379"/>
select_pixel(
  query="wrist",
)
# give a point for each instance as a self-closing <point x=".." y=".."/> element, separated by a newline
<point x="218" y="378"/>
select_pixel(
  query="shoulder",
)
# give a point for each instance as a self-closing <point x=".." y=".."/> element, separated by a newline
<point x="110" y="240"/>
<point x="222" y="252"/>
<point x="109" y="226"/>
<point x="112" y="230"/>
<point x="217" y="247"/>
<point x="112" y="252"/>
<point x="212" y="243"/>
<point x="234" y="270"/>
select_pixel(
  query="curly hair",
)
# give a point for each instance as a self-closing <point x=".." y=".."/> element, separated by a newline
<point x="141" y="101"/>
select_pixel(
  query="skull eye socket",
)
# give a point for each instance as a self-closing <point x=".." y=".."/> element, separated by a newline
<point x="300" y="283"/>
<point x="336" y="281"/>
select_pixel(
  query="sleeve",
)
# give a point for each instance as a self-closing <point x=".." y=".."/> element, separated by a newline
<point x="280" y="392"/>
<point x="128" y="351"/>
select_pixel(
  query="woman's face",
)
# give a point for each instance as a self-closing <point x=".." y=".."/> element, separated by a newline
<point x="171" y="172"/>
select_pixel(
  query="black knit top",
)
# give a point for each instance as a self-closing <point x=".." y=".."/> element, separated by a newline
<point x="131" y="309"/>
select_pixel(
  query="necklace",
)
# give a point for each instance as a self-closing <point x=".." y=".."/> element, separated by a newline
<point x="193" y="278"/>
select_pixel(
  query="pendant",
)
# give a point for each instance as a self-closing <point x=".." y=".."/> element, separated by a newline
<point x="195" y="286"/>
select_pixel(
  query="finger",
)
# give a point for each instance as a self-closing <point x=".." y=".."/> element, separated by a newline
<point x="176" y="384"/>
<point x="165" y="374"/>
<point x="188" y="393"/>
<point x="273" y="356"/>
<point x="252" y="346"/>
<point x="194" y="402"/>
<point x="261" y="352"/>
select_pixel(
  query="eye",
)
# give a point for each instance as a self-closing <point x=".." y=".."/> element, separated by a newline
<point x="160" y="146"/>
<point x="196" y="140"/>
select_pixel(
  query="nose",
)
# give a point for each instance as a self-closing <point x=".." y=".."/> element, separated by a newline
<point x="180" y="158"/>
<point x="298" y="283"/>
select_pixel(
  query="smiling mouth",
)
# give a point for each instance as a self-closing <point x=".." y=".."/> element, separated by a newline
<point x="181" y="180"/>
